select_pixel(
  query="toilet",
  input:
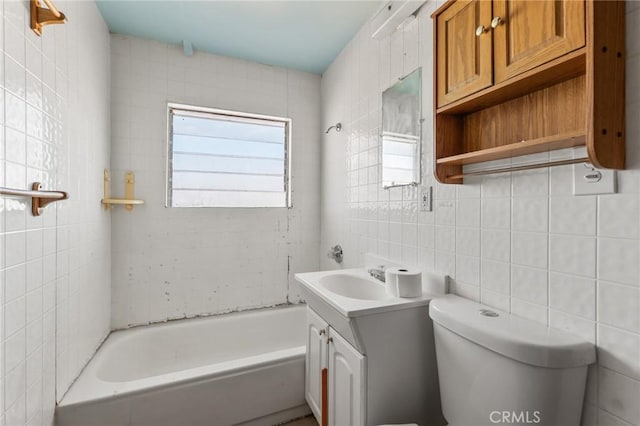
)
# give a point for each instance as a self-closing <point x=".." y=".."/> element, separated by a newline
<point x="496" y="368"/>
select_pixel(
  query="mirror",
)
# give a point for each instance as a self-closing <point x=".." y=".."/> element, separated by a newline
<point x="401" y="119"/>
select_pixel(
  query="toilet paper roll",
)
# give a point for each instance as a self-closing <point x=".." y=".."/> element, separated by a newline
<point x="403" y="282"/>
<point x="391" y="282"/>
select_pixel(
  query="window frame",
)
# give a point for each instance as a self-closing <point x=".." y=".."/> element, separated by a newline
<point x="205" y="112"/>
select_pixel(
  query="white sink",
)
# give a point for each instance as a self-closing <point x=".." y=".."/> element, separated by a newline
<point x="352" y="293"/>
<point x="354" y="287"/>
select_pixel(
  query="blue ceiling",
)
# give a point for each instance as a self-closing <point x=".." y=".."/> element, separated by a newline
<point x="303" y="35"/>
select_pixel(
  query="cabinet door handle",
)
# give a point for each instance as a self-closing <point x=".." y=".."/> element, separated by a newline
<point x="495" y="22"/>
<point x="480" y="30"/>
<point x="324" y="404"/>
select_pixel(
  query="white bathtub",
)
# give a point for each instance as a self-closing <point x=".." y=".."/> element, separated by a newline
<point x="245" y="367"/>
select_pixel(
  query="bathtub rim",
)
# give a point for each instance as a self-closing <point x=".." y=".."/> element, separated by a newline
<point x="89" y="388"/>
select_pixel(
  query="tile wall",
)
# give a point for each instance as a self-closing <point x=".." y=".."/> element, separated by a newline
<point x="54" y="269"/>
<point x="519" y="242"/>
<point x="180" y="262"/>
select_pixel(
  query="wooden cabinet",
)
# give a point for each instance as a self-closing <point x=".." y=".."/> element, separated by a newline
<point x="316" y="363"/>
<point x="335" y="376"/>
<point x="555" y="80"/>
<point x="482" y="42"/>
<point x="464" y="59"/>
<point x="528" y="33"/>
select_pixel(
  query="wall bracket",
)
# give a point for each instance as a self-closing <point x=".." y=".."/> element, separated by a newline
<point x="41" y="16"/>
<point x="128" y="201"/>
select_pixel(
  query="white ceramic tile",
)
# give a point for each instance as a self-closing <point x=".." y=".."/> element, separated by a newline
<point x="495" y="300"/>
<point x="50" y="156"/>
<point x="445" y="238"/>
<point x="445" y="212"/>
<point x="528" y="310"/>
<point x="468" y="241"/>
<point x="619" y="305"/>
<point x="14" y="316"/>
<point x="572" y="215"/>
<point x="274" y="91"/>
<point x="530" y="183"/>
<point x="619" y="395"/>
<point x="618" y="260"/>
<point x="496" y="276"/>
<point x="468" y="270"/>
<point x="470" y="292"/>
<point x="529" y="248"/>
<point x="529" y="284"/>
<point x="572" y="255"/>
<point x="468" y="212"/>
<point x="574" y="325"/>
<point x="530" y="214"/>
<point x="619" y="350"/>
<point x="496" y="245"/>
<point x="573" y="295"/>
<point x="496" y="186"/>
<point x="619" y="216"/>
<point x="496" y="213"/>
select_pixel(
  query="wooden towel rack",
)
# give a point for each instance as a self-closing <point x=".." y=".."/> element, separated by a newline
<point x="39" y="198"/>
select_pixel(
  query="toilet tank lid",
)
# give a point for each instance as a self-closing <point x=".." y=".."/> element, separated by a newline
<point x="517" y="338"/>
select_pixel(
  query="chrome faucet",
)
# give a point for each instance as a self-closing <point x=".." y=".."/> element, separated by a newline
<point x="336" y="253"/>
<point x="377" y="273"/>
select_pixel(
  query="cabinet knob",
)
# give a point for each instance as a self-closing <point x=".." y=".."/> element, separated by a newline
<point x="330" y="340"/>
<point x="496" y="21"/>
<point x="480" y="30"/>
<point x="321" y="332"/>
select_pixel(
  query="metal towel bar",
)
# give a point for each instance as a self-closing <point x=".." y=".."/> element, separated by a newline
<point x="39" y="198"/>
<point x="520" y="168"/>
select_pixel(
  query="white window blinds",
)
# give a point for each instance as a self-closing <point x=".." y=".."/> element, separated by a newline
<point x="227" y="159"/>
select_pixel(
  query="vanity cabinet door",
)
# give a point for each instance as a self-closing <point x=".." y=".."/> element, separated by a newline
<point x="528" y="33"/>
<point x="316" y="363"/>
<point x="463" y="46"/>
<point x="347" y="383"/>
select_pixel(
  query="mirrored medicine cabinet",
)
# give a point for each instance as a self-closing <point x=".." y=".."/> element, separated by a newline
<point x="401" y="132"/>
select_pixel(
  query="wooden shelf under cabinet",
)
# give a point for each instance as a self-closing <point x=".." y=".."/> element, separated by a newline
<point x="525" y="147"/>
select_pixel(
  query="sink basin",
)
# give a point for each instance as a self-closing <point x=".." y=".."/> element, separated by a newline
<point x="351" y="293"/>
<point x="353" y="287"/>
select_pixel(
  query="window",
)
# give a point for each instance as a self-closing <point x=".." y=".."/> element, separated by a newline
<point x="227" y="159"/>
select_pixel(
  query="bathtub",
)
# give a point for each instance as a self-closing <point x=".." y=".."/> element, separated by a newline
<point x="240" y="368"/>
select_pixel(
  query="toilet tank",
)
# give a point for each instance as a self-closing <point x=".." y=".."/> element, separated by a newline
<point x="496" y="368"/>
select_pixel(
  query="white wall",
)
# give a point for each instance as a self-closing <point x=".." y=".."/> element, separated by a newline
<point x="54" y="269"/>
<point x="519" y="242"/>
<point x="177" y="262"/>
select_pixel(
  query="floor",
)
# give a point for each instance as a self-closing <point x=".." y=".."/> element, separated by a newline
<point x="304" y="421"/>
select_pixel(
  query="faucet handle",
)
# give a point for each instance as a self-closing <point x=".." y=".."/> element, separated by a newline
<point x="335" y="253"/>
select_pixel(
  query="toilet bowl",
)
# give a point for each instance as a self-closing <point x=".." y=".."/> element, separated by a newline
<point x="496" y="368"/>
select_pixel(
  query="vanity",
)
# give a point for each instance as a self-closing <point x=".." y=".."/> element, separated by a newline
<point x="370" y="356"/>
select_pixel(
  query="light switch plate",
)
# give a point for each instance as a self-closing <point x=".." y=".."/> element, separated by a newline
<point x="426" y="198"/>
<point x="587" y="180"/>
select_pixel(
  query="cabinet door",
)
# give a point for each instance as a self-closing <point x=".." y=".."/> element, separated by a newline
<point x="347" y="381"/>
<point x="528" y="33"/>
<point x="316" y="361"/>
<point x="463" y="58"/>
